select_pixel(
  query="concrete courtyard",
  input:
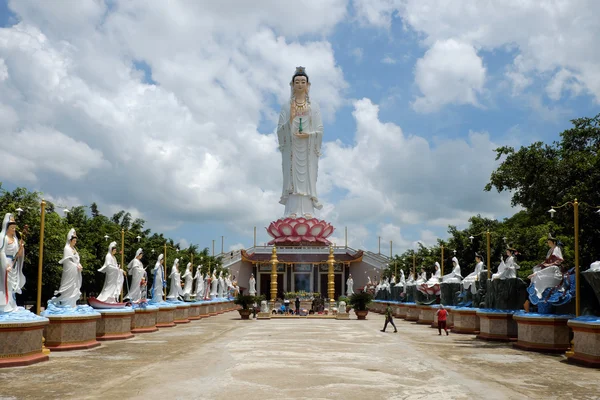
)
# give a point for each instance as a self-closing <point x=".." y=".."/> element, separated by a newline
<point x="225" y="358"/>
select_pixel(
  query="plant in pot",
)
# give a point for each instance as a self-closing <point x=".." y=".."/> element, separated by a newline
<point x="346" y="300"/>
<point x="360" y="301"/>
<point x="244" y="301"/>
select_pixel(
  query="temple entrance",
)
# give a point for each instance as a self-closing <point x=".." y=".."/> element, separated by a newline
<point x="265" y="285"/>
<point x="337" y="279"/>
<point x="302" y="282"/>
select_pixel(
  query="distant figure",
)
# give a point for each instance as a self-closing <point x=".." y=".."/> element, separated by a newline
<point x="297" y="305"/>
<point x="442" y="315"/>
<point x="389" y="318"/>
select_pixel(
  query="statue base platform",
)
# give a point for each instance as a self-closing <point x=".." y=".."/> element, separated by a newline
<point x="212" y="309"/>
<point x="449" y="317"/>
<point x="71" y="332"/>
<point x="115" y="324"/>
<point x="181" y="312"/>
<point x="544" y="333"/>
<point x="194" y="312"/>
<point x="412" y="312"/>
<point x="21" y="335"/>
<point x="426" y="314"/>
<point x="166" y="315"/>
<point x="586" y="341"/>
<point x="204" y="310"/>
<point x="342" y="316"/>
<point x="300" y="232"/>
<point x="263" y="315"/>
<point x="465" y="320"/>
<point x="497" y="325"/>
<point x="400" y="310"/>
<point x="144" y="320"/>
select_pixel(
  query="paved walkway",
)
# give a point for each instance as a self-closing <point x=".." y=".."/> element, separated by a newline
<point x="225" y="358"/>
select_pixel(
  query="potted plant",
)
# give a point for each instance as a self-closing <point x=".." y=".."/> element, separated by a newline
<point x="244" y="301"/>
<point x="360" y="301"/>
<point x="346" y="300"/>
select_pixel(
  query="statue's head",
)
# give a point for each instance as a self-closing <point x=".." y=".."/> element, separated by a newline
<point x="300" y="82"/>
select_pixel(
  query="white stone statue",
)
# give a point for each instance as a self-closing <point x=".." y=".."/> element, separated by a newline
<point x="188" y="281"/>
<point x="435" y="278"/>
<point x="12" y="254"/>
<point x="349" y="286"/>
<point x="510" y="267"/>
<point x="595" y="266"/>
<point x="221" y="286"/>
<point x="113" y="281"/>
<point x="300" y="132"/>
<point x="264" y="308"/>
<point x="393" y="280"/>
<point x="135" y="268"/>
<point x="199" y="292"/>
<point x="386" y="285"/>
<point x="252" y="285"/>
<point x="469" y="281"/>
<point x="454" y="276"/>
<point x="548" y="273"/>
<point x="175" y="290"/>
<point x="159" y="280"/>
<point x="214" y="284"/>
<point x="402" y="278"/>
<point x="207" y="286"/>
<point x="369" y="283"/>
<point x="422" y="278"/>
<point x="70" y="281"/>
<point x="342" y="307"/>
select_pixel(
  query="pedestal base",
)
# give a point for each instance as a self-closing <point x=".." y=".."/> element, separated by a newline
<point x="166" y="316"/>
<point x="194" y="312"/>
<point x="465" y="320"/>
<point x="497" y="325"/>
<point x="181" y="314"/>
<point x="263" y="315"/>
<point x="412" y="313"/>
<point x="115" y="324"/>
<point x="71" y="332"/>
<point x="21" y="340"/>
<point x="545" y="333"/>
<point x="400" y="311"/>
<point x="426" y="314"/>
<point x="144" y="320"/>
<point x="342" y="316"/>
<point x="586" y="341"/>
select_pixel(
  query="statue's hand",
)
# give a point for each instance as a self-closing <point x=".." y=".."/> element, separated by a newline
<point x="79" y="267"/>
<point x="301" y="135"/>
<point x="9" y="268"/>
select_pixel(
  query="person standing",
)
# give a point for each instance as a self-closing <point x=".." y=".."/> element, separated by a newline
<point x="442" y="315"/>
<point x="389" y="318"/>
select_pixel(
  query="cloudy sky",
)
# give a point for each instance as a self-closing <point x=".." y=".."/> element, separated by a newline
<point x="168" y="109"/>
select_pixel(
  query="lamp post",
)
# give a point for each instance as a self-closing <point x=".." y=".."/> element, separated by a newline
<point x="488" y="236"/>
<point x="41" y="257"/>
<point x="442" y="261"/>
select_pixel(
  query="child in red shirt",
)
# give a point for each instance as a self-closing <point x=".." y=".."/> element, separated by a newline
<point x="442" y="314"/>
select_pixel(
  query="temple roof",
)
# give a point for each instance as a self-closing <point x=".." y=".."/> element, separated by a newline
<point x="302" y="258"/>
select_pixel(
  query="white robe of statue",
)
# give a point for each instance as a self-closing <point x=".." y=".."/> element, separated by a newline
<point x="595" y="266"/>
<point x="159" y="279"/>
<point x="435" y="278"/>
<point x="221" y="286"/>
<point x="509" y="271"/>
<point x="70" y="280"/>
<point x="454" y="276"/>
<point x="113" y="280"/>
<point x="349" y="286"/>
<point x="214" y="284"/>
<point x="547" y="277"/>
<point x="386" y="285"/>
<point x="188" y="281"/>
<point x="252" y="286"/>
<point x="12" y="281"/>
<point x="469" y="281"/>
<point x="410" y="281"/>
<point x="402" y="279"/>
<point x="175" y="290"/>
<point x="199" y="283"/>
<point x="207" y="283"/>
<point x="421" y="279"/>
<point x="300" y="157"/>
<point x="136" y="269"/>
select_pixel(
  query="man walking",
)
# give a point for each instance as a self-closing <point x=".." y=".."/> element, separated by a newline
<point x="389" y="318"/>
<point x="442" y="315"/>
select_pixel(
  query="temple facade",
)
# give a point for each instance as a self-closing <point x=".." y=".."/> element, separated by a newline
<point x="304" y="268"/>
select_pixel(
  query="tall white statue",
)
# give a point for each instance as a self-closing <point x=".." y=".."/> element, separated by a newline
<point x="159" y="280"/>
<point x="12" y="254"/>
<point x="454" y="276"/>
<point x="402" y="278"/>
<point x="207" y="286"/>
<point x="349" y="286"/>
<point x="469" y="281"/>
<point x="188" y="280"/>
<point x="510" y="266"/>
<point x="300" y="133"/>
<point x="199" y="292"/>
<point x="113" y="281"/>
<point x="213" y="284"/>
<point x="221" y="290"/>
<point x="175" y="290"/>
<point x="70" y="281"/>
<point x="252" y="285"/>
<point x="135" y="268"/>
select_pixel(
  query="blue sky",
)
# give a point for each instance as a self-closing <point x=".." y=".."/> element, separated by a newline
<point x="173" y="120"/>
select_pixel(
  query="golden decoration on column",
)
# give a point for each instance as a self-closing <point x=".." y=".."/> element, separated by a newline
<point x="274" y="262"/>
<point x="330" y="281"/>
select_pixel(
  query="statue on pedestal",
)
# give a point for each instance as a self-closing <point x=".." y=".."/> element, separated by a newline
<point x="113" y="282"/>
<point x="207" y="286"/>
<point x="469" y="281"/>
<point x="12" y="254"/>
<point x="213" y="284"/>
<point x="175" y="290"/>
<point x="70" y="281"/>
<point x="454" y="276"/>
<point x="188" y="280"/>
<point x="221" y="287"/>
<point x="199" y="292"/>
<point x="159" y="281"/>
<point x="252" y="285"/>
<point x="135" y="268"/>
<point x="508" y="269"/>
<point x="349" y="286"/>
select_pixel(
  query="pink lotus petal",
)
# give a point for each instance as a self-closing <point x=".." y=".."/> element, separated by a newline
<point x="316" y="230"/>
<point x="301" y="228"/>
<point x="328" y="231"/>
<point x="286" y="229"/>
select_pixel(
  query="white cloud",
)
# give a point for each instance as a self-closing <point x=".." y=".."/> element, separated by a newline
<point x="544" y="36"/>
<point x="358" y="53"/>
<point x="3" y="70"/>
<point x="388" y="60"/>
<point x="451" y="72"/>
